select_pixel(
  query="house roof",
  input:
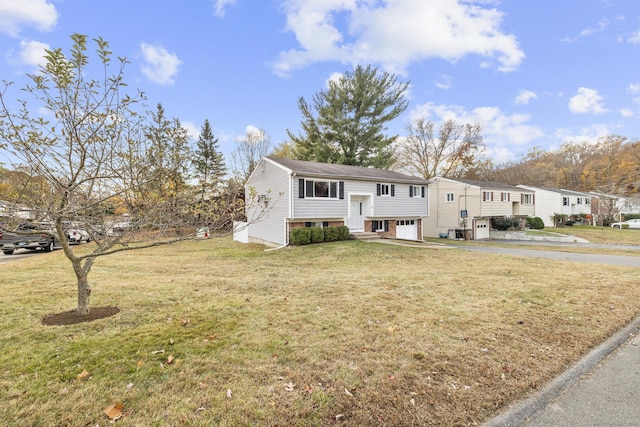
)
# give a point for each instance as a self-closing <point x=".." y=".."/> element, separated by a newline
<point x="316" y="169"/>
<point x="486" y="184"/>
<point x="558" y="190"/>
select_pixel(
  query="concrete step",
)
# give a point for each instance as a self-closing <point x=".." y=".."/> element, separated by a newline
<point x="366" y="236"/>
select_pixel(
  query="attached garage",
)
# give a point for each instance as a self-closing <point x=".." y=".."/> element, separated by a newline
<point x="407" y="229"/>
<point x="482" y="229"/>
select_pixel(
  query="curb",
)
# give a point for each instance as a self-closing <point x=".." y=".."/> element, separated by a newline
<point x="521" y="412"/>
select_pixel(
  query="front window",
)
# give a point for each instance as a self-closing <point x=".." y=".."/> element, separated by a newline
<point x="527" y="199"/>
<point x="565" y="201"/>
<point x="415" y="191"/>
<point x="386" y="190"/>
<point x="320" y="189"/>
<point x="450" y="197"/>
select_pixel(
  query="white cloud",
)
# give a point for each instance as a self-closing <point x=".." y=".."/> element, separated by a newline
<point x="502" y="132"/>
<point x="588" y="134"/>
<point x="524" y="96"/>
<point x="159" y="66"/>
<point x="395" y="34"/>
<point x="626" y="113"/>
<point x="192" y="129"/>
<point x="31" y="54"/>
<point x="634" y="88"/>
<point x="15" y="14"/>
<point x="634" y="38"/>
<point x="220" y="5"/>
<point x="444" y="82"/>
<point x="586" y="101"/>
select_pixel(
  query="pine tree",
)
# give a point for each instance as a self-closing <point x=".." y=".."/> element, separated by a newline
<point x="208" y="161"/>
<point x="350" y="120"/>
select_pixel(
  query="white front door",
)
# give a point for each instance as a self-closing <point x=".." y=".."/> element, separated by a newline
<point x="356" y="215"/>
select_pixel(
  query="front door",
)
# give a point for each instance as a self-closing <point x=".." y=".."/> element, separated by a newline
<point x="356" y="215"/>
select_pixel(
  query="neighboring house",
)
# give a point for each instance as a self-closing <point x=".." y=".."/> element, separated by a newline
<point x="550" y="202"/>
<point x="465" y="207"/>
<point x="8" y="210"/>
<point x="295" y="193"/>
<point x="610" y="208"/>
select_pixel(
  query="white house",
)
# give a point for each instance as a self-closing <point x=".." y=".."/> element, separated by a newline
<point x="466" y="206"/>
<point x="295" y="193"/>
<point x="551" y="201"/>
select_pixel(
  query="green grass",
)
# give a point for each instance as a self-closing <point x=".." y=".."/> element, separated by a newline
<point x="351" y="333"/>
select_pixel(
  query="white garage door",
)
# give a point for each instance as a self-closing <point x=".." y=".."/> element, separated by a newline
<point x="407" y="229"/>
<point x="482" y="229"/>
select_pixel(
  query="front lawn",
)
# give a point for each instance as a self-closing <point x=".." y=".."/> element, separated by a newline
<point x="213" y="332"/>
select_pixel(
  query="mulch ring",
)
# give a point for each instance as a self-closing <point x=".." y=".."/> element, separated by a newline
<point x="72" y="317"/>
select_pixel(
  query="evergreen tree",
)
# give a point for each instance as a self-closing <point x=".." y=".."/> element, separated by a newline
<point x="350" y="118"/>
<point x="208" y="161"/>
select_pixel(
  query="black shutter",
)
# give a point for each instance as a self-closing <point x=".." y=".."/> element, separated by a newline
<point x="341" y="189"/>
<point x="378" y="189"/>
<point x="301" y="188"/>
<point x="411" y="191"/>
<point x="309" y="188"/>
<point x="393" y="190"/>
<point x="386" y="225"/>
<point x="423" y="191"/>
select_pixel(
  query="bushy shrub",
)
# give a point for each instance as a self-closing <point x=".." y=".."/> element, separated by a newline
<point x="343" y="233"/>
<point x="331" y="234"/>
<point x="535" y="222"/>
<point x="300" y="236"/>
<point x="505" y="223"/>
<point x="317" y="235"/>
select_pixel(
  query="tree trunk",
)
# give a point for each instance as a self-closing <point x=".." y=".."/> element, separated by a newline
<point x="84" y="291"/>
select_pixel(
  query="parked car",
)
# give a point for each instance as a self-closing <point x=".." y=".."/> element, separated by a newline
<point x="75" y="233"/>
<point x="630" y="223"/>
<point x="202" y="233"/>
<point x="28" y="236"/>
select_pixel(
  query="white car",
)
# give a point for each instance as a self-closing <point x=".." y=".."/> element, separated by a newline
<point x="630" y="223"/>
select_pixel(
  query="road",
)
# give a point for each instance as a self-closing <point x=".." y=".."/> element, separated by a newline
<point x="18" y="255"/>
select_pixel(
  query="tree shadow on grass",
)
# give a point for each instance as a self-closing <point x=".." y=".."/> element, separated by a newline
<point x="72" y="317"/>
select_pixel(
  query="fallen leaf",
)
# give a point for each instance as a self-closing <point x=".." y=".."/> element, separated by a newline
<point x="114" y="412"/>
<point x="169" y="359"/>
<point x="157" y="351"/>
<point x="348" y="393"/>
<point x="290" y="386"/>
<point x="229" y="393"/>
<point x="140" y="363"/>
<point x="83" y="375"/>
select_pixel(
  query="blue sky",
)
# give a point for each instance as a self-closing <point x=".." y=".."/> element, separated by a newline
<point x="533" y="73"/>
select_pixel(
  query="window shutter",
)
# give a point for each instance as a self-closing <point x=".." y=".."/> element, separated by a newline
<point x="301" y="188"/>
<point x="484" y="196"/>
<point x="492" y="196"/>
<point x="393" y="190"/>
<point x="533" y="198"/>
<point x="386" y="225"/>
<point x="411" y="191"/>
<point x="341" y="189"/>
<point x="378" y="189"/>
<point x="422" y="191"/>
<point x="309" y="189"/>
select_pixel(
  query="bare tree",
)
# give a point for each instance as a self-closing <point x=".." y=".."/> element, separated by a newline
<point x="253" y="146"/>
<point x="454" y="150"/>
<point x="90" y="148"/>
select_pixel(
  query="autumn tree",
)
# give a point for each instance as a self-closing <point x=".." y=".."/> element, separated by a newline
<point x="346" y="123"/>
<point x="87" y="140"/>
<point x="451" y="151"/>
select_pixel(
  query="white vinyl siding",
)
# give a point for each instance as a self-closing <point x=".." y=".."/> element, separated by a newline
<point x="274" y="182"/>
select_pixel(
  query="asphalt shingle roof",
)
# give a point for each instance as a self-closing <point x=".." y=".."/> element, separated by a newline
<point x="344" y="171"/>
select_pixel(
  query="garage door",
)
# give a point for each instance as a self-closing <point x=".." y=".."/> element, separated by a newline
<point x="482" y="229"/>
<point x="407" y="229"/>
